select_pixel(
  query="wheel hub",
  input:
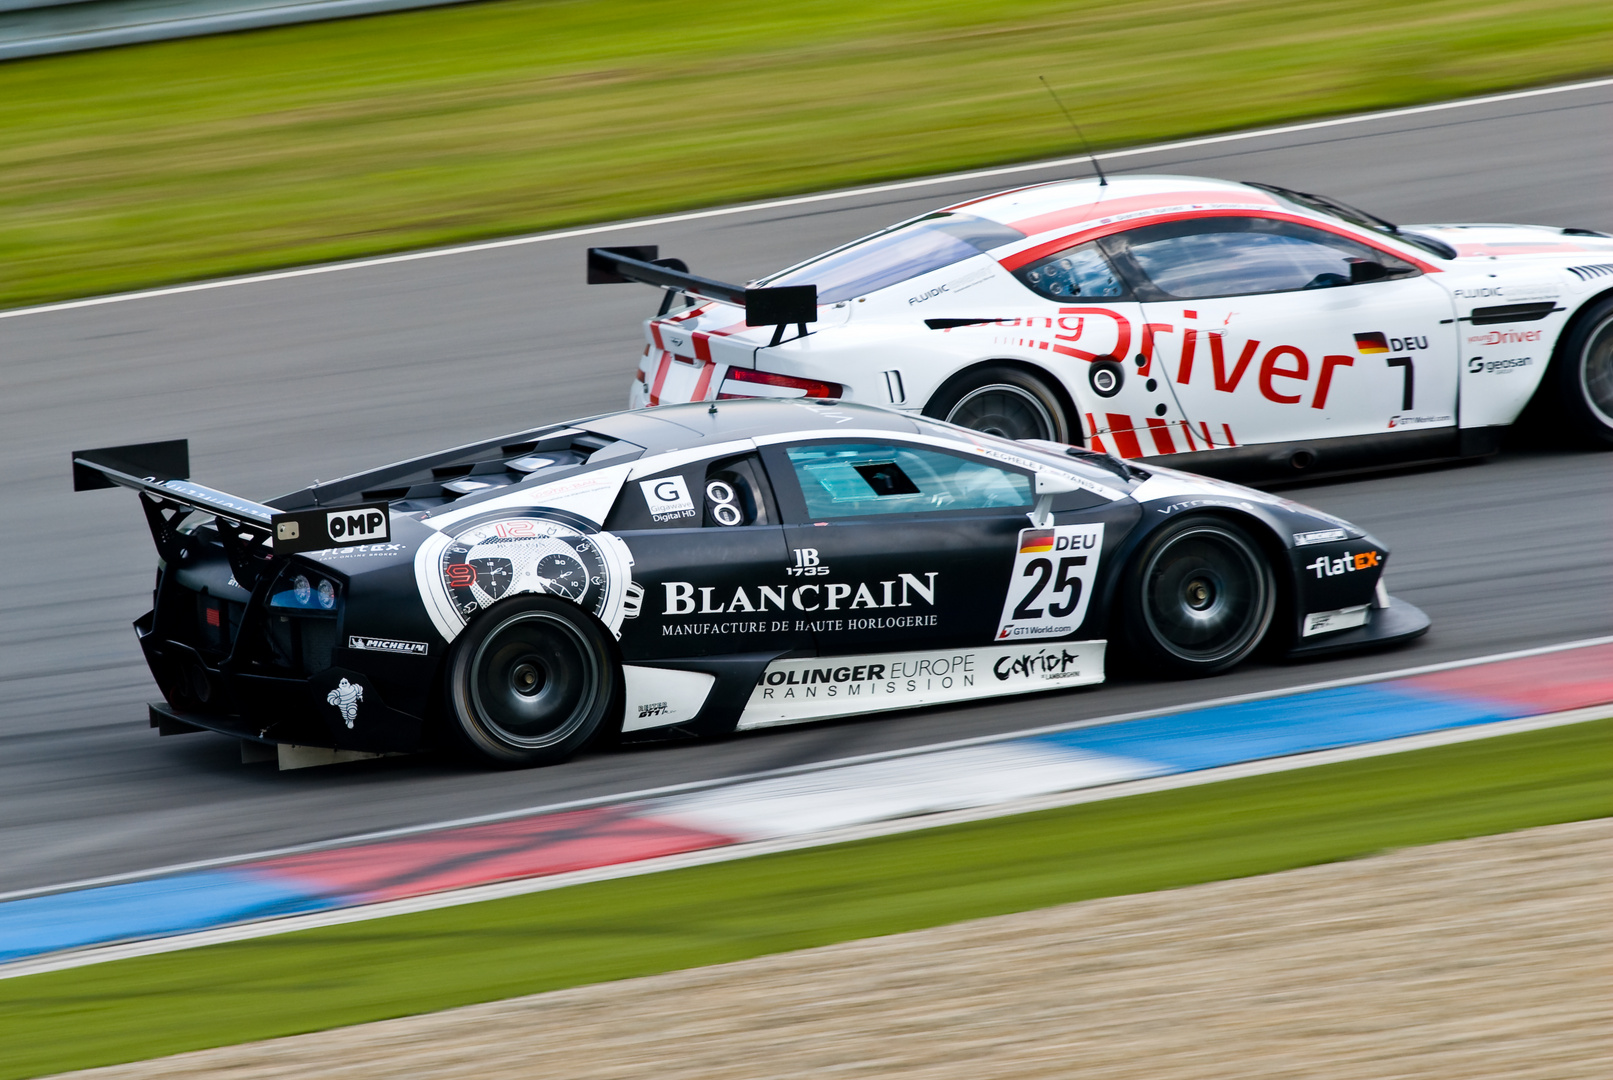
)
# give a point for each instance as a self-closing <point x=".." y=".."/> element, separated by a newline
<point x="527" y="678"/>
<point x="1206" y="595"/>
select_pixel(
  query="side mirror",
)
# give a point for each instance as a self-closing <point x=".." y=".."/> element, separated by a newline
<point x="1049" y="484"/>
<point x="1367" y="270"/>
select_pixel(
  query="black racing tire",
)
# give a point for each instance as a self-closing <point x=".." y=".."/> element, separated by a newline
<point x="1582" y="377"/>
<point x="1002" y="400"/>
<point x="1198" y="598"/>
<point x="530" y="681"/>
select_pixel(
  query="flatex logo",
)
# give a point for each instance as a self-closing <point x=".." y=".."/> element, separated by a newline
<point x="355" y="526"/>
<point x="1343" y="564"/>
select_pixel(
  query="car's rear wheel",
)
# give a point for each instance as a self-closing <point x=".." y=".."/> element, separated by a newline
<point x="1583" y="375"/>
<point x="1002" y="400"/>
<point x="1199" y="598"/>
<point x="530" y="681"/>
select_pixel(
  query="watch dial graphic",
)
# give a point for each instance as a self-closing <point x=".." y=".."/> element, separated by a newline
<point x="523" y="555"/>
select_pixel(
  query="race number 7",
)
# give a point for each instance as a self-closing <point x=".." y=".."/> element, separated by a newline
<point x="1063" y="581"/>
<point x="1408" y="388"/>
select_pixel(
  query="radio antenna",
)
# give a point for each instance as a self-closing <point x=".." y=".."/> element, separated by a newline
<point x="1103" y="181"/>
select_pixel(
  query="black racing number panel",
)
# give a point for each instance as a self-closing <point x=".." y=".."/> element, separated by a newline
<point x="1062" y="582"/>
<point x="1408" y="389"/>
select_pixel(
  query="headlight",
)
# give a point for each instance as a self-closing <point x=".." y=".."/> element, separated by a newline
<point x="300" y="589"/>
<point x="327" y="595"/>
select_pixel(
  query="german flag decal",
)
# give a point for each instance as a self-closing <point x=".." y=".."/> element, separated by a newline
<point x="1371" y="343"/>
<point x="1036" y="541"/>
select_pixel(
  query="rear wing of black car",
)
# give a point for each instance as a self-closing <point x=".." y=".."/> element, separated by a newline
<point x="252" y="533"/>
<point x="777" y="307"/>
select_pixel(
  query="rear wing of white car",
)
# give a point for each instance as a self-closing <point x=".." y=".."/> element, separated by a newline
<point x="777" y="307"/>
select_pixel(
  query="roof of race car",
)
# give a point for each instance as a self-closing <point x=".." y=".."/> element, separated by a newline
<point x="1066" y="204"/>
<point x="1018" y="226"/>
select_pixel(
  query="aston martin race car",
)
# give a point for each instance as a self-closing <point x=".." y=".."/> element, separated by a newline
<point x="705" y="568"/>
<point x="1240" y="329"/>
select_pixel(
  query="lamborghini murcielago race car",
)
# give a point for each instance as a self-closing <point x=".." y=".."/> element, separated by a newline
<point x="705" y="568"/>
<point x="1237" y="329"/>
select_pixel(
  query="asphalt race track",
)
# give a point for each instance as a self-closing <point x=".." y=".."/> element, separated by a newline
<point x="279" y="382"/>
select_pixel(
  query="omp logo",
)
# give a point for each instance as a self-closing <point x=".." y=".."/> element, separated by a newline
<point x="1343" y="564"/>
<point x="354" y="526"/>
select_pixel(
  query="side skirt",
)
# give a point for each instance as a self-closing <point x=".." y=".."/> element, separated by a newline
<point x="1279" y="461"/>
<point x="795" y="691"/>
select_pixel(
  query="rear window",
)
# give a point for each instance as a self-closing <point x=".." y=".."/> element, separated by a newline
<point x="899" y="253"/>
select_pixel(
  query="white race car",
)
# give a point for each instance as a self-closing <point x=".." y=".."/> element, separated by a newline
<point x="1258" y="330"/>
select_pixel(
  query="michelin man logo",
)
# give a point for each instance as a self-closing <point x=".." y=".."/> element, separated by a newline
<point x="346" y="697"/>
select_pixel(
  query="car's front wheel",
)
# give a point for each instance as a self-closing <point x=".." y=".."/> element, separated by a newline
<point x="530" y="681"/>
<point x="1199" y="598"/>
<point x="1583" y="374"/>
<point x="1002" y="400"/>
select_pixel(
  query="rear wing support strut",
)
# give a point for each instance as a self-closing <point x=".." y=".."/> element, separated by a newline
<point x="777" y="307"/>
<point x="159" y="472"/>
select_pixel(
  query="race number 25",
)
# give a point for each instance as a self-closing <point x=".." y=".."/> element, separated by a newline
<point x="1052" y="580"/>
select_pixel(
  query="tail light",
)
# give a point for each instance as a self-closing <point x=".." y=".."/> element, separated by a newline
<point x="744" y="383"/>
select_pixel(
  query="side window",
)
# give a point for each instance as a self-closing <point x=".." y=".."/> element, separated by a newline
<point x="1243" y="256"/>
<point x="855" y="479"/>
<point x="717" y="494"/>
<point x="1081" y="272"/>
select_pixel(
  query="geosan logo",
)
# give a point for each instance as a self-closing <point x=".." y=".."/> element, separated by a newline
<point x="355" y="526"/>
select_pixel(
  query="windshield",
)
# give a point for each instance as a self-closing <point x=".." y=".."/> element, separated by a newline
<point x="1359" y="218"/>
<point x="899" y="253"/>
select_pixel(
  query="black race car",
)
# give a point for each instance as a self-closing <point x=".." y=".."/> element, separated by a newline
<point x="700" y="569"/>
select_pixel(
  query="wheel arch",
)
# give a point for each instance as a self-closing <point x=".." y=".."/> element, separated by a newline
<point x="439" y="718"/>
<point x="1544" y="389"/>
<point x="1066" y="400"/>
<point x="1267" y="533"/>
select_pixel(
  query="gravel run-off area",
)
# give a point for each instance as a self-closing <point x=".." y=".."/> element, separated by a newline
<point x="1490" y="957"/>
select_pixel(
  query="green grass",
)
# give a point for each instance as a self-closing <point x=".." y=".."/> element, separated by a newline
<point x="177" y="160"/>
<point x="318" y="979"/>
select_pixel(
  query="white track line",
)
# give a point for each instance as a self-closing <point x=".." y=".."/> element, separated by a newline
<point x="802" y="200"/>
<point x="792" y="770"/>
<point x="501" y="890"/>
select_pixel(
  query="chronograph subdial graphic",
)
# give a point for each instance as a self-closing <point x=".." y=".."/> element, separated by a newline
<point x="522" y="555"/>
<point x="562" y="575"/>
